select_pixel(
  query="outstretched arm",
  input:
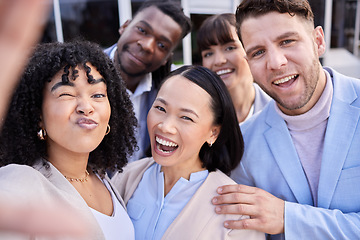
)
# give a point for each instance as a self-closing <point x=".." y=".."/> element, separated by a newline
<point x="21" y="23"/>
<point x="39" y="219"/>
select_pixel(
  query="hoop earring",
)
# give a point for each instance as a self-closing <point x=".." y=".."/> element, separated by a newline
<point x="41" y="134"/>
<point x="210" y="144"/>
<point x="107" y="129"/>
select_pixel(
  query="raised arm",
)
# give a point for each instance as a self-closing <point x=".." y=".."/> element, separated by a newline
<point x="21" y="23"/>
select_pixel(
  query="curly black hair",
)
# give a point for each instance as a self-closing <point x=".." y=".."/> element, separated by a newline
<point x="19" y="141"/>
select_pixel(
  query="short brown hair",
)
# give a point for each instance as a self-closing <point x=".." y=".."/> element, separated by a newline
<point x="254" y="8"/>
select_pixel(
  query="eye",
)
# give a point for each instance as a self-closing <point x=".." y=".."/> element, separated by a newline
<point x="98" y="95"/>
<point x="286" y="42"/>
<point x="162" y="46"/>
<point x="65" y="95"/>
<point x="187" y="118"/>
<point x="140" y="29"/>
<point x="207" y="54"/>
<point x="257" y="53"/>
<point x="160" y="108"/>
<point x="230" y="48"/>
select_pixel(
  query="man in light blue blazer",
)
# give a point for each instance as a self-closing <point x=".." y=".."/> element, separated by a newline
<point x="302" y="152"/>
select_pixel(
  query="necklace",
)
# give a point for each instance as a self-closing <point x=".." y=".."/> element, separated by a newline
<point x="78" y="179"/>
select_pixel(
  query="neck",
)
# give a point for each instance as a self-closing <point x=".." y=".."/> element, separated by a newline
<point x="70" y="165"/>
<point x="174" y="173"/>
<point x="243" y="98"/>
<point x="131" y="83"/>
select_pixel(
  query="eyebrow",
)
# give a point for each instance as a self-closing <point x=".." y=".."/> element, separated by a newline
<point x="282" y="36"/>
<point x="181" y="109"/>
<point x="152" y="29"/>
<point x="71" y="84"/>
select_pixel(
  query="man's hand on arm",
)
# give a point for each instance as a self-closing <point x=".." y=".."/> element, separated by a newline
<point x="265" y="210"/>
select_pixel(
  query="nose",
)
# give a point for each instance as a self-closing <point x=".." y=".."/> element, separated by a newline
<point x="147" y="44"/>
<point x="84" y="106"/>
<point x="219" y="58"/>
<point x="167" y="125"/>
<point x="276" y="59"/>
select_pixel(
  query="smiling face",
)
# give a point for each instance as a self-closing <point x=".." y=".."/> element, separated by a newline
<point x="284" y="60"/>
<point x="180" y="122"/>
<point x="228" y="61"/>
<point x="75" y="115"/>
<point x="147" y="41"/>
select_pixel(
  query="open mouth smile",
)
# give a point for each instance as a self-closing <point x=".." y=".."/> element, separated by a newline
<point x="224" y="71"/>
<point x="165" y="146"/>
<point x="286" y="80"/>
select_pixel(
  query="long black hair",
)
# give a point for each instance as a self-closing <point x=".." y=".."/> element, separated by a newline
<point x="225" y="154"/>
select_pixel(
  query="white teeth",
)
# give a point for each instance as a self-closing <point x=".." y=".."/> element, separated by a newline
<point x="284" y="79"/>
<point x="161" y="150"/>
<point x="165" y="143"/>
<point x="224" y="71"/>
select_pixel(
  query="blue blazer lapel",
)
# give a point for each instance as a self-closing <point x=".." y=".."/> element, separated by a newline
<point x="285" y="155"/>
<point x="339" y="134"/>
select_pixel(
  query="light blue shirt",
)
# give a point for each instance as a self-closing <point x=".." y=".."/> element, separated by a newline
<point x="151" y="212"/>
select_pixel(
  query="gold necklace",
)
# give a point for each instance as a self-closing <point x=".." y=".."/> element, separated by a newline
<point x="78" y="179"/>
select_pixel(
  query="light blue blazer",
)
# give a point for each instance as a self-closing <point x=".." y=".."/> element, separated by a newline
<point x="271" y="162"/>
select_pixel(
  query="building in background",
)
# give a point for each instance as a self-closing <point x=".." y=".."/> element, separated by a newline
<point x="99" y="21"/>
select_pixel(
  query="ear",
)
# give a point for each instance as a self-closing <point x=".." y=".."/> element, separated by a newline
<point x="215" y="130"/>
<point x="319" y="40"/>
<point x="124" y="26"/>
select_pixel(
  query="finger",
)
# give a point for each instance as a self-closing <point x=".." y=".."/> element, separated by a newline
<point x="235" y="188"/>
<point x="248" y="223"/>
<point x="233" y="198"/>
<point x="257" y="224"/>
<point x="238" y="209"/>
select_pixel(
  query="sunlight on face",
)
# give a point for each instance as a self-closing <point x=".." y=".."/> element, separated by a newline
<point x="228" y="61"/>
<point x="284" y="60"/>
<point x="180" y="122"/>
<point x="75" y="115"/>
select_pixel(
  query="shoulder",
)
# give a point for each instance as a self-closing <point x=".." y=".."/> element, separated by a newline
<point x="127" y="181"/>
<point x="18" y="172"/>
<point x="260" y="95"/>
<point x="138" y="165"/>
<point x="346" y="89"/>
<point x="341" y="81"/>
<point x="218" y="178"/>
<point x="258" y="121"/>
<point x="21" y="181"/>
<point x="110" y="49"/>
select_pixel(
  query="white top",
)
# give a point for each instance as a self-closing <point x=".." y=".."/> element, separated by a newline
<point x="118" y="225"/>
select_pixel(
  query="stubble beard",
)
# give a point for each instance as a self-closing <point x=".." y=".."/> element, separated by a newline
<point x="311" y="78"/>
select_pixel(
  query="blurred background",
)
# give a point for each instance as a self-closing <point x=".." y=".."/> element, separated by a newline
<point x="99" y="21"/>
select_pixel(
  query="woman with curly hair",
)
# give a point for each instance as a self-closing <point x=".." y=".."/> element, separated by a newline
<point x="70" y="121"/>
